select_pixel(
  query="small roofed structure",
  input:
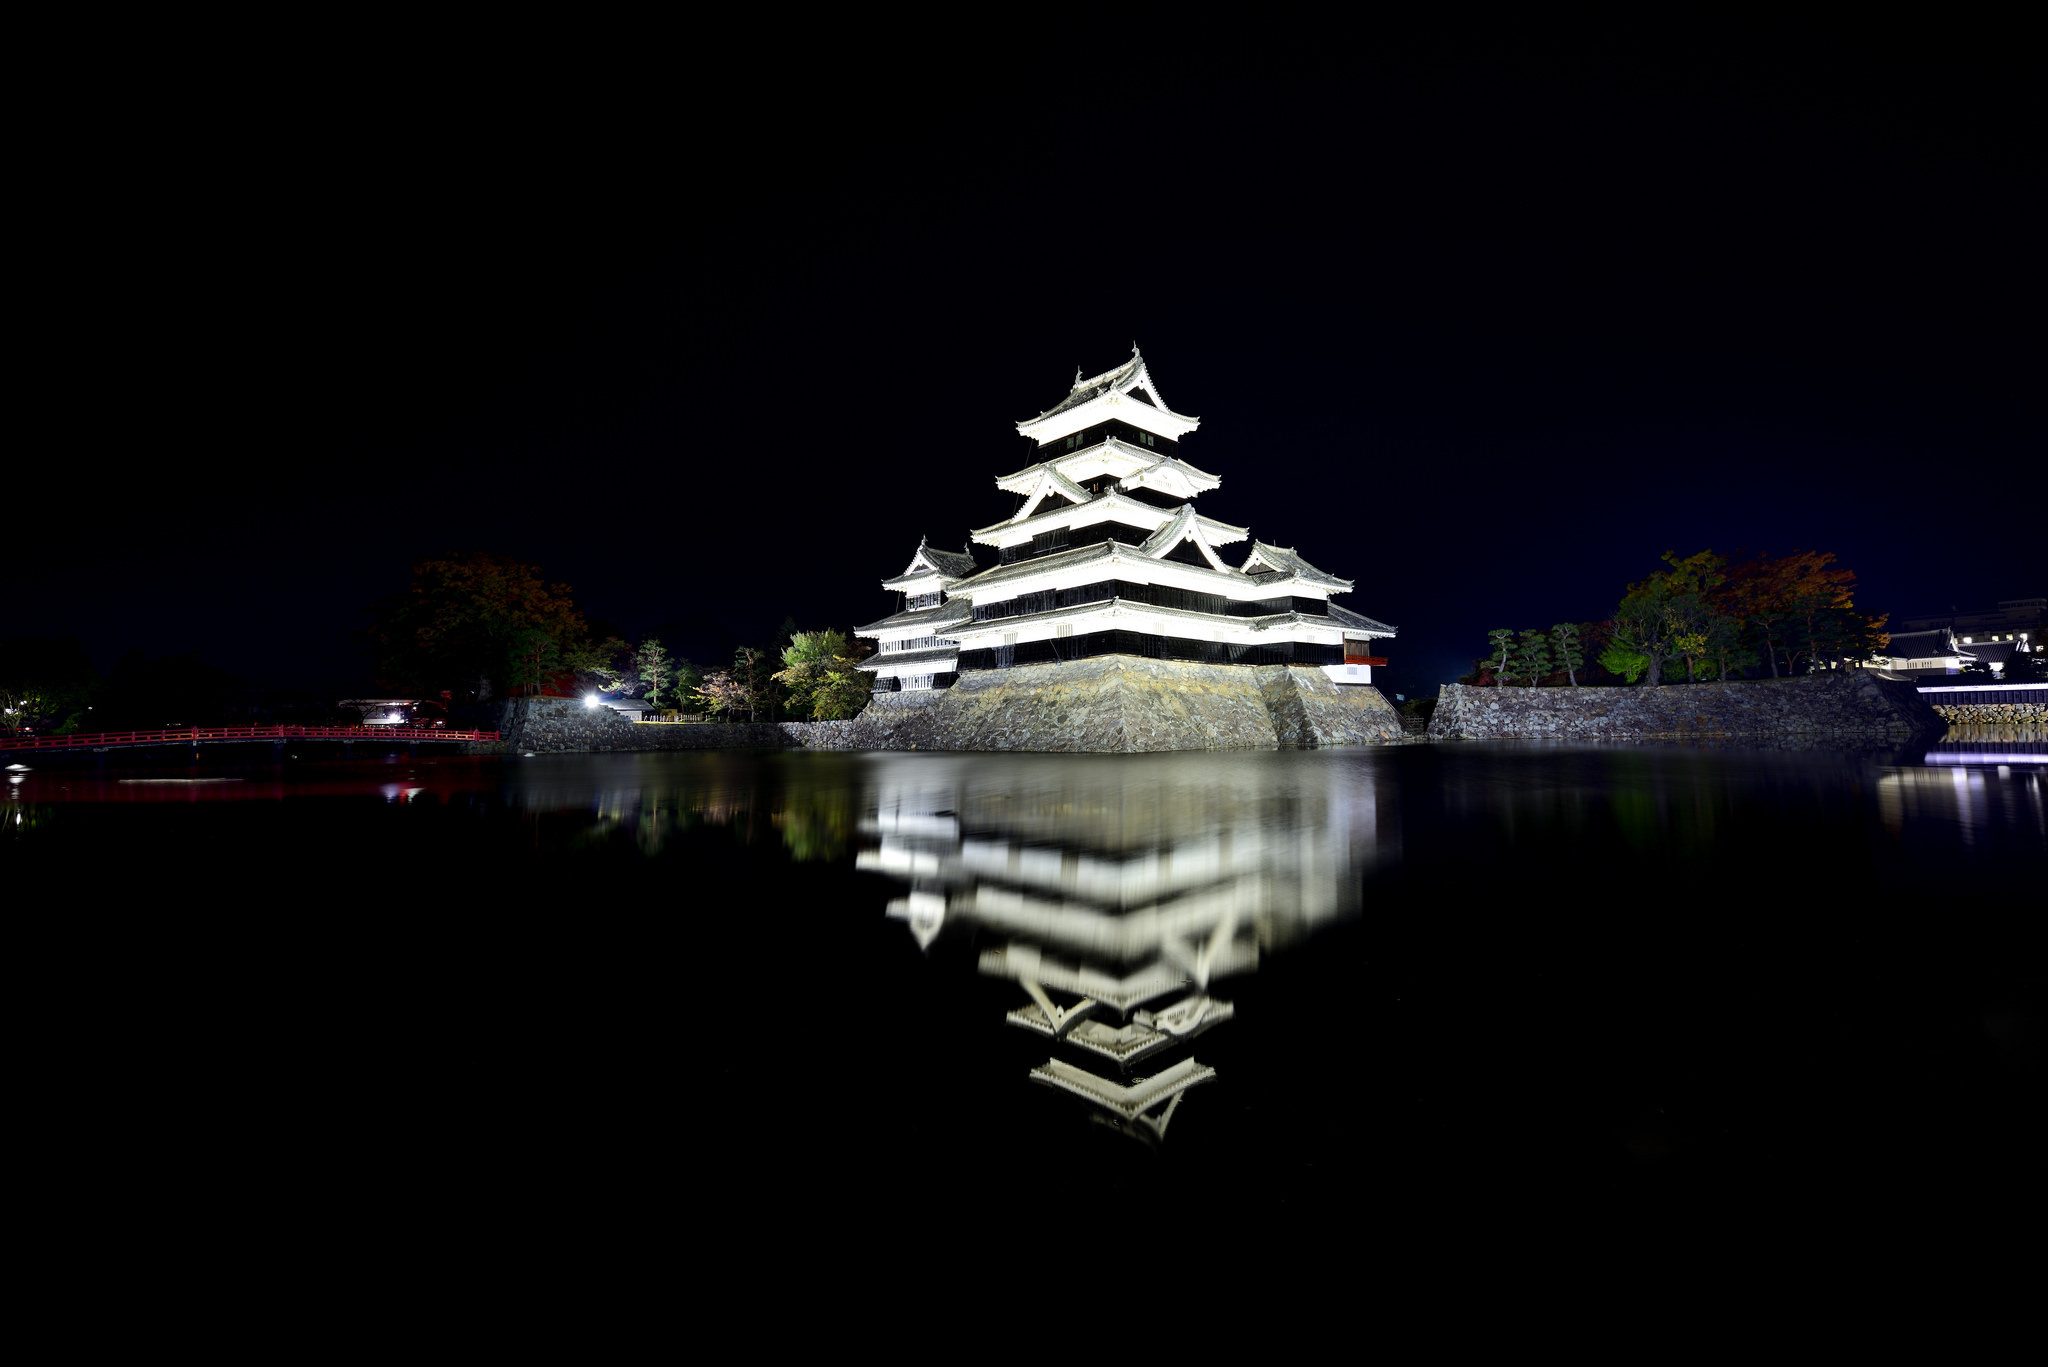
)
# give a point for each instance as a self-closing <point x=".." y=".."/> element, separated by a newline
<point x="912" y="653"/>
<point x="632" y="709"/>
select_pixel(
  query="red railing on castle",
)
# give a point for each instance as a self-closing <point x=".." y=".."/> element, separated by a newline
<point x="200" y="735"/>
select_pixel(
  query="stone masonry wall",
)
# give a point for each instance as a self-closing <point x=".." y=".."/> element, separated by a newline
<point x="1851" y="706"/>
<point x="1993" y="713"/>
<point x="1125" y="704"/>
<point x="546" y="726"/>
<point x="1111" y="704"/>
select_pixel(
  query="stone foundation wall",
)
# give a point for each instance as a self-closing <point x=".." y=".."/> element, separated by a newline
<point x="547" y="726"/>
<point x="1120" y="704"/>
<point x="1852" y="706"/>
<point x="1993" y="713"/>
<point x="1112" y="704"/>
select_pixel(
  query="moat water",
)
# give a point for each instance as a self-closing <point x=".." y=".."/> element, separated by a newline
<point x="1444" y="986"/>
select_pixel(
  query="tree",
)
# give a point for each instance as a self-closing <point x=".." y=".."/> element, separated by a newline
<point x="472" y="618"/>
<point x="1532" y="656"/>
<point x="821" y="676"/>
<point x="1724" y="645"/>
<point x="1802" y="610"/>
<point x="1642" y="629"/>
<point x="1569" y="655"/>
<point x="615" y="668"/>
<point x="1683" y="611"/>
<point x="680" y="693"/>
<point x="655" y="671"/>
<point x="718" y="693"/>
<point x="47" y="683"/>
<point x="746" y="687"/>
<point x="1503" y="641"/>
<point x="532" y="657"/>
<point x="1619" y="659"/>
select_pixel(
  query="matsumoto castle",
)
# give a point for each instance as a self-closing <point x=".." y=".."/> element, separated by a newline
<point x="1106" y="555"/>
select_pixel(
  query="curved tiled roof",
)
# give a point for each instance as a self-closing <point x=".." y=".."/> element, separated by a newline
<point x="1357" y="621"/>
<point x="1132" y="374"/>
<point x="936" y="655"/>
<point x="1179" y="529"/>
<point x="945" y="614"/>
<point x="1284" y="559"/>
<point x="953" y="564"/>
<point x="945" y="564"/>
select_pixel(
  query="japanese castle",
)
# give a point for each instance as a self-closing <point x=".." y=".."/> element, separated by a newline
<point x="1106" y="555"/>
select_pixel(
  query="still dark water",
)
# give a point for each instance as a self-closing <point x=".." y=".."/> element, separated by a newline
<point x="1449" y="988"/>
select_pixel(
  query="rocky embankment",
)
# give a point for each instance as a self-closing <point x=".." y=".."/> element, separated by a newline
<point x="1839" y="707"/>
<point x="1112" y="705"/>
<point x="546" y="726"/>
<point x="1121" y="704"/>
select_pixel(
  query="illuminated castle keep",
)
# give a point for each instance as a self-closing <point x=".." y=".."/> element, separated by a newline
<point x="1106" y="556"/>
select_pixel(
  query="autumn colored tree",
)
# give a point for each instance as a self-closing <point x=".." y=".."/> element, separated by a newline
<point x="1803" y="610"/>
<point x="747" y="687"/>
<point x="470" y="619"/>
<point x="718" y="693"/>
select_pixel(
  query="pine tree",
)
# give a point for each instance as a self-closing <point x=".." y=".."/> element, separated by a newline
<point x="654" y="668"/>
<point x="1568" y="652"/>
<point x="1503" y="642"/>
<point x="1532" y="656"/>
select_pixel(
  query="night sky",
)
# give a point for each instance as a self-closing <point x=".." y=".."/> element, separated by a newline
<point x="713" y="326"/>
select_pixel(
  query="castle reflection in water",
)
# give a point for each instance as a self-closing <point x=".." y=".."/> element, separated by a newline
<point x="1121" y="893"/>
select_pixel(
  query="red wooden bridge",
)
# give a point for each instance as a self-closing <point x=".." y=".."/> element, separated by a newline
<point x="196" y="736"/>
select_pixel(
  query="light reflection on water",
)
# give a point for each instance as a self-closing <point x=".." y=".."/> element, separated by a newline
<point x="1516" y="959"/>
<point x="1117" y="892"/>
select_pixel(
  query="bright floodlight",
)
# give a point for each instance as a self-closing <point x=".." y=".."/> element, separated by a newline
<point x="590" y="701"/>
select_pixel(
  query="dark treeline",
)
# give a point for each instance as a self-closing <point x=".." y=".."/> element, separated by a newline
<point x="477" y="626"/>
<point x="1705" y="617"/>
<point x="49" y="686"/>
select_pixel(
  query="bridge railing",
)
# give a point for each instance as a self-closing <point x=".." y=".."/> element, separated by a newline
<point x="197" y="735"/>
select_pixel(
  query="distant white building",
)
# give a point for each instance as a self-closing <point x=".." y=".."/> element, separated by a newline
<point x="1938" y="646"/>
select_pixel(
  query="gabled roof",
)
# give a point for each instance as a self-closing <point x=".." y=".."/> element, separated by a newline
<point x="929" y="560"/>
<point x="1106" y="395"/>
<point x="1108" y="456"/>
<point x="1172" y="475"/>
<point x="1104" y="507"/>
<point x="1283" y="560"/>
<point x="1921" y="645"/>
<point x="1185" y="526"/>
<point x="1358" y="621"/>
<point x="1050" y="481"/>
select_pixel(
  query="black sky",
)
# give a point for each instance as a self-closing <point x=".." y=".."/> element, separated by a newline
<point x="715" y="325"/>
